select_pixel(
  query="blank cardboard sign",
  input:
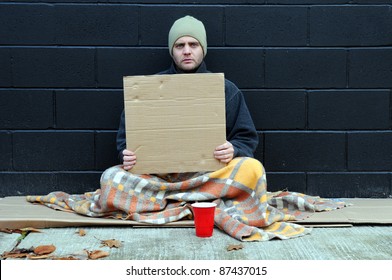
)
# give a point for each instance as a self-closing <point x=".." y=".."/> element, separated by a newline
<point x="174" y="122"/>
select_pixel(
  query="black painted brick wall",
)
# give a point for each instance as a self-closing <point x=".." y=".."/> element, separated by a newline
<point x="317" y="76"/>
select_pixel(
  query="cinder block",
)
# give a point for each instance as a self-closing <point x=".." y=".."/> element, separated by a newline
<point x="26" y="109"/>
<point x="42" y="183"/>
<point x="339" y="109"/>
<point x="371" y="2"/>
<point x="305" y="68"/>
<point x="5" y="69"/>
<point x="106" y="154"/>
<point x="88" y="109"/>
<point x="327" y="2"/>
<point x="370" y="151"/>
<point x="5" y="151"/>
<point x="96" y="24"/>
<point x="259" y="153"/>
<point x="293" y="182"/>
<point x="266" y="25"/>
<point x="155" y="22"/>
<point x="305" y="151"/>
<point x="350" y="25"/>
<point x="244" y="67"/>
<point x="370" y="68"/>
<point x="115" y="63"/>
<point x="316" y="2"/>
<point x="27" y="183"/>
<point x="349" y="185"/>
<point x="275" y="109"/>
<point x="27" y="24"/>
<point x="53" y="67"/>
<point x="53" y="151"/>
<point x="78" y="182"/>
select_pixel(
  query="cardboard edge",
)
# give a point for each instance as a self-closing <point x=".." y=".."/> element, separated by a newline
<point x="342" y="220"/>
<point x="53" y="223"/>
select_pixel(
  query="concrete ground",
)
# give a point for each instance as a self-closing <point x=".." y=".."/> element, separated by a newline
<point x="362" y="242"/>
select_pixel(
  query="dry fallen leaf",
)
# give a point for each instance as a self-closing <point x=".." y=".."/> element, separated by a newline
<point x="81" y="232"/>
<point x="38" y="257"/>
<point x="19" y="230"/>
<point x="66" y="258"/>
<point x="30" y="229"/>
<point x="80" y="255"/>
<point x="111" y="243"/>
<point x="234" y="247"/>
<point x="44" y="249"/>
<point x="39" y="252"/>
<point x="97" y="254"/>
<point x="7" y="255"/>
<point x="17" y="253"/>
<point x="6" y="230"/>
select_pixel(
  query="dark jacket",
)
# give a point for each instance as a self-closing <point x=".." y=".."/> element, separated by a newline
<point x="240" y="130"/>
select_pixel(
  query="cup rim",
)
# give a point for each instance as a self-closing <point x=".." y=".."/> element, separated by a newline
<point x="203" y="204"/>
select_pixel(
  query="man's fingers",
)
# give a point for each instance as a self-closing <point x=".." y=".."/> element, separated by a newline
<point x="221" y="153"/>
<point x="128" y="165"/>
<point x="225" y="158"/>
<point x="224" y="152"/>
<point x="222" y="147"/>
<point x="129" y="158"/>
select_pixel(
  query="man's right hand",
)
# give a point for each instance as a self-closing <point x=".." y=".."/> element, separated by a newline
<point x="129" y="159"/>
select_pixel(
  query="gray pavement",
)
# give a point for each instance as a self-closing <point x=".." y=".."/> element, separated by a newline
<point x="161" y="243"/>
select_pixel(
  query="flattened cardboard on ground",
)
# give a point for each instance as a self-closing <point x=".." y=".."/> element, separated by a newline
<point x="16" y="212"/>
<point x="174" y="122"/>
<point x="362" y="211"/>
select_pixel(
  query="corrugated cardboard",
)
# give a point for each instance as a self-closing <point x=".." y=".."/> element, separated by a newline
<point x="362" y="211"/>
<point x="174" y="122"/>
<point x="16" y="212"/>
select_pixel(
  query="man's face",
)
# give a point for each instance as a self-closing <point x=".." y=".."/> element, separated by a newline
<point x="187" y="54"/>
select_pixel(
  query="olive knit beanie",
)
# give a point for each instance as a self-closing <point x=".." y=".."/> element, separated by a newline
<point x="188" y="26"/>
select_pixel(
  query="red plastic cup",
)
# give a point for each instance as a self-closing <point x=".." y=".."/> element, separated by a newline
<point x="203" y="213"/>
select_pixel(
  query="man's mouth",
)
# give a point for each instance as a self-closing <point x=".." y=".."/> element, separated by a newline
<point x="187" y="60"/>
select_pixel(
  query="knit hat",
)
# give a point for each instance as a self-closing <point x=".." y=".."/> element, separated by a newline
<point x="188" y="26"/>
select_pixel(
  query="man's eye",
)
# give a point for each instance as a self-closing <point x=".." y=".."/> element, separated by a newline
<point x="179" y="46"/>
<point x="194" y="45"/>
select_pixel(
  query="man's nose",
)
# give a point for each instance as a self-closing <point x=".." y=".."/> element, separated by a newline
<point x="187" y="49"/>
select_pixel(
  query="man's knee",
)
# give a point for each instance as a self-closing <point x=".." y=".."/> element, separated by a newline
<point x="111" y="172"/>
<point x="252" y="164"/>
<point x="248" y="167"/>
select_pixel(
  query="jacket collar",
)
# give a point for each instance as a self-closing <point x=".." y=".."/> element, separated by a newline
<point x="202" y="69"/>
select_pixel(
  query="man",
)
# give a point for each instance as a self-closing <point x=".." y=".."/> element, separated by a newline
<point x="238" y="189"/>
<point x="188" y="46"/>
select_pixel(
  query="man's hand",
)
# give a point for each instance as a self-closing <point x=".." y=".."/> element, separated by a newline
<point x="224" y="152"/>
<point x="129" y="159"/>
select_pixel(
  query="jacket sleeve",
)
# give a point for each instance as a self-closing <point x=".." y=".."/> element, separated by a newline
<point x="121" y="140"/>
<point x="240" y="129"/>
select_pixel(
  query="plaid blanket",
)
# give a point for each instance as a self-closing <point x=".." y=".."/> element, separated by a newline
<point x="245" y="210"/>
